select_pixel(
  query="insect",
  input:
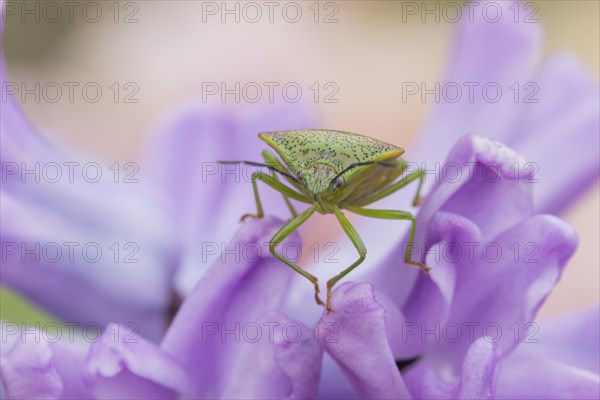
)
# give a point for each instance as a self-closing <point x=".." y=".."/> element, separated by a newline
<point x="333" y="171"/>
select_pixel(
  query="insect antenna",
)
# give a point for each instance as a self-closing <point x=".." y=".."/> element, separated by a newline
<point x="257" y="164"/>
<point x="358" y="164"/>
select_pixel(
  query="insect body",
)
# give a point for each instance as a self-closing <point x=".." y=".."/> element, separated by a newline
<point x="334" y="171"/>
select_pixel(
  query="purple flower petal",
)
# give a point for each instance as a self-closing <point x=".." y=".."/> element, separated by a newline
<point x="477" y="379"/>
<point x="360" y="343"/>
<point x="68" y="260"/>
<point x="490" y="190"/>
<point x="123" y="365"/>
<point x="486" y="52"/>
<point x="209" y="333"/>
<point x="300" y="360"/>
<point x="431" y="300"/>
<point x="555" y="103"/>
<point x="37" y="369"/>
<point x="502" y="294"/>
<point x="531" y="376"/>
<point x="487" y="194"/>
<point x="566" y="120"/>
<point x="478" y="371"/>
<point x="532" y="371"/>
<point x="183" y="156"/>
<point x="275" y="358"/>
<point x="571" y="339"/>
<point x="505" y="53"/>
<point x="558" y="361"/>
<point x="493" y="264"/>
<point x="71" y="238"/>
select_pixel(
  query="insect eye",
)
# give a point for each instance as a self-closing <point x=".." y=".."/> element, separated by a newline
<point x="339" y="182"/>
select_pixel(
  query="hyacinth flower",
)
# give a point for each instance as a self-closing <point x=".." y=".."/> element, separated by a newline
<point x="68" y="215"/>
<point x="182" y="127"/>
<point x="566" y="120"/>
<point x="198" y="358"/>
<point x="192" y="357"/>
<point x="53" y="229"/>
<point x="228" y="340"/>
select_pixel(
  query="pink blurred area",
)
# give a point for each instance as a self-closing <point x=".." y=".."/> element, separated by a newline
<point x="170" y="52"/>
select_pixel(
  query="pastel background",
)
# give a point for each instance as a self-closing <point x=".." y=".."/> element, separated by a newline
<point x="368" y="53"/>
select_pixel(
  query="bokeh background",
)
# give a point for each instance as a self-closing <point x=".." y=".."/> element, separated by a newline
<point x="167" y="51"/>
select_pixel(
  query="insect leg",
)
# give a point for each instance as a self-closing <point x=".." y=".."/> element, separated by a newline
<point x="272" y="160"/>
<point x="396" y="214"/>
<point x="284" y="232"/>
<point x="288" y="203"/>
<point x="357" y="242"/>
<point x="418" y="174"/>
<point x="275" y="184"/>
<point x="417" y="198"/>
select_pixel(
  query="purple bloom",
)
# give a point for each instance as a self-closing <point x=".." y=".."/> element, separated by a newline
<point x="184" y="149"/>
<point x="194" y="359"/>
<point x="158" y="221"/>
<point x="496" y="293"/>
<point x="243" y="329"/>
<point x="67" y="218"/>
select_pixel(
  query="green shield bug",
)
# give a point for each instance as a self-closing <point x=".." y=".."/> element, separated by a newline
<point x="333" y="171"/>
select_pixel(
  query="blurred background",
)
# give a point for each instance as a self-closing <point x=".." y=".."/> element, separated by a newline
<point x="358" y="53"/>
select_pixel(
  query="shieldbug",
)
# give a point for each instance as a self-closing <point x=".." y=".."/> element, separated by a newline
<point x="333" y="171"/>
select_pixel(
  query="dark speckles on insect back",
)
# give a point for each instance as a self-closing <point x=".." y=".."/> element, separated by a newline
<point x="302" y="149"/>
